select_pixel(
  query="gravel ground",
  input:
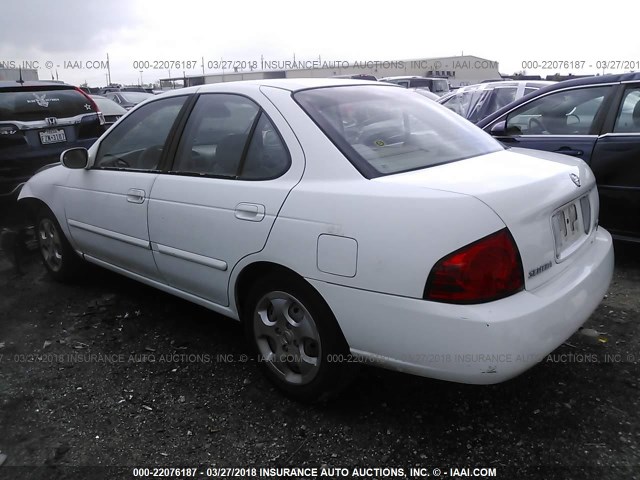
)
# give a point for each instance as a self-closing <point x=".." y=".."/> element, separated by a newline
<point x="108" y="372"/>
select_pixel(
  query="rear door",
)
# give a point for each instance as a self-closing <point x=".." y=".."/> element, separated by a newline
<point x="563" y="121"/>
<point x="235" y="164"/>
<point x="616" y="164"/>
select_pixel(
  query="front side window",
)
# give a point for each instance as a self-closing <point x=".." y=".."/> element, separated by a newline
<point x="384" y="130"/>
<point x="569" y="112"/>
<point x="137" y="142"/>
<point x="228" y="136"/>
<point x="628" y="120"/>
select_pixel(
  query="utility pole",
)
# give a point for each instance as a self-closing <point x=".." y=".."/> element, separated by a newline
<point x="108" y="71"/>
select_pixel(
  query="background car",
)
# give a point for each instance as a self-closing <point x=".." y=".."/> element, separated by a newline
<point x="120" y="88"/>
<point x="439" y="86"/>
<point x="110" y="109"/>
<point x="475" y="102"/>
<point x="425" y="92"/>
<point x="38" y="121"/>
<point x="596" y="119"/>
<point x="358" y="76"/>
<point x="128" y="100"/>
<point x="406" y="238"/>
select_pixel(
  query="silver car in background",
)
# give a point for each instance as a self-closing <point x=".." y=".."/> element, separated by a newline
<point x="475" y="102"/>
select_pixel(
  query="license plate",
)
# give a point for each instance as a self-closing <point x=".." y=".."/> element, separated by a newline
<point x="568" y="228"/>
<point x="52" y="136"/>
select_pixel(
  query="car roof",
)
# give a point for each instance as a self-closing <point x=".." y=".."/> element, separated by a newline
<point x="290" y="84"/>
<point x="612" y="78"/>
<point x="577" y="82"/>
<point x="526" y="83"/>
<point x="505" y="83"/>
<point x="412" y="77"/>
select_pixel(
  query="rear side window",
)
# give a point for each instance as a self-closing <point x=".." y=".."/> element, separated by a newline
<point x="384" y="130"/>
<point x="628" y="120"/>
<point x="34" y="105"/>
<point x="267" y="157"/>
<point x="228" y="136"/>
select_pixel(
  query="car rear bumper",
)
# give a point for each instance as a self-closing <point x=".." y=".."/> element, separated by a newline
<point x="479" y="344"/>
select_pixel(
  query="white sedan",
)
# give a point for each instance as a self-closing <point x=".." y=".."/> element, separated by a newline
<point x="339" y="220"/>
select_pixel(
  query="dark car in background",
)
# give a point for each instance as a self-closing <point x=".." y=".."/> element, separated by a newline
<point x="128" y="100"/>
<point x="110" y="110"/>
<point x="38" y="121"/>
<point x="119" y="88"/>
<point x="475" y="102"/>
<point x="596" y="119"/>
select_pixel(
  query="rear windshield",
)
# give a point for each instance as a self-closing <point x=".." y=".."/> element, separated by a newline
<point x="421" y="83"/>
<point x="440" y="86"/>
<point x="38" y="104"/>
<point x="135" y="97"/>
<point x="384" y="130"/>
<point x="108" y="107"/>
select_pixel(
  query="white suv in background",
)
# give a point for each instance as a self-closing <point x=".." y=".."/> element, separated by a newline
<point x="439" y="86"/>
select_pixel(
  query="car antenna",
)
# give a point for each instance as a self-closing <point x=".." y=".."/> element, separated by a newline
<point x="20" y="80"/>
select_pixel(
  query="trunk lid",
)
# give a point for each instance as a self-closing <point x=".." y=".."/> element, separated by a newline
<point x="544" y="199"/>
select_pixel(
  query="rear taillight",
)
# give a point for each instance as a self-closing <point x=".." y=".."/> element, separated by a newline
<point x="481" y="272"/>
<point x="8" y="130"/>
<point x="93" y="104"/>
<point x="11" y="136"/>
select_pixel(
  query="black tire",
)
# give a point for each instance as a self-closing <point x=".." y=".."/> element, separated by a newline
<point x="58" y="256"/>
<point x="305" y="368"/>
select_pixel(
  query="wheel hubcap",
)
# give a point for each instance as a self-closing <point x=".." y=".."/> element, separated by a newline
<point x="287" y="337"/>
<point x="50" y="244"/>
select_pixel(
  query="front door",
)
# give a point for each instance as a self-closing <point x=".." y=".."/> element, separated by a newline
<point x="106" y="206"/>
<point x="616" y="164"/>
<point x="565" y="121"/>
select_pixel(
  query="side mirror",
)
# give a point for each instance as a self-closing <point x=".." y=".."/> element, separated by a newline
<point x="499" y="129"/>
<point x="75" y="158"/>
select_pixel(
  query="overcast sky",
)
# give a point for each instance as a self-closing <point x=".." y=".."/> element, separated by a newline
<point x="508" y="32"/>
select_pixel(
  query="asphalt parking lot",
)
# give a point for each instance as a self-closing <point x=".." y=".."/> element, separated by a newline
<point x="108" y="372"/>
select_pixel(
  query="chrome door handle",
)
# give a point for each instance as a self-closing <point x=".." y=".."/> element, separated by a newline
<point x="253" y="212"/>
<point x="135" y="195"/>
